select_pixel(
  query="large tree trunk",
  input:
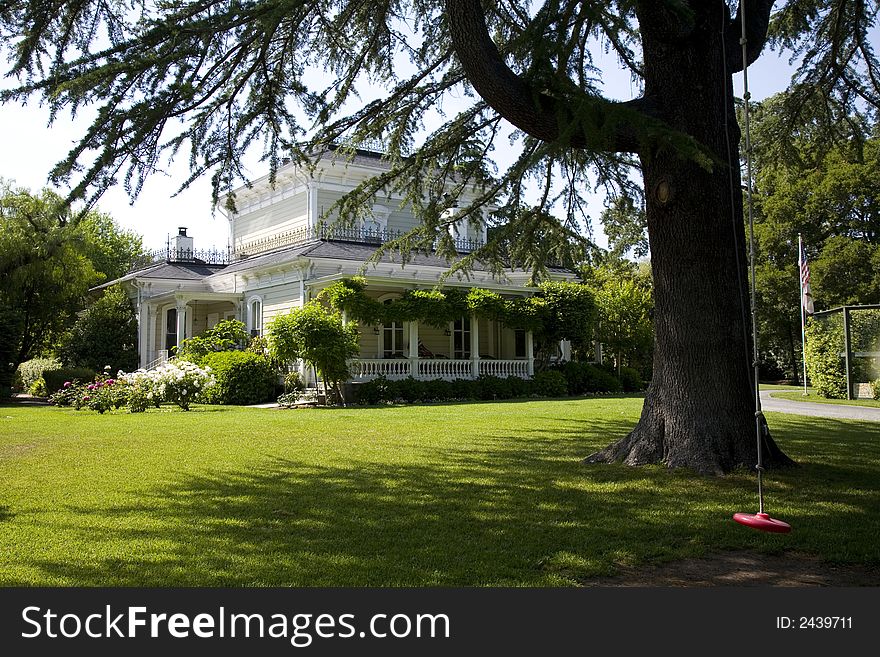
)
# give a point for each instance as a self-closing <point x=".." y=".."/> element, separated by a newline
<point x="699" y="409"/>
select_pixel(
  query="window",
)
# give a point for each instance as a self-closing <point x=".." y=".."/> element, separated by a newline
<point x="171" y="328"/>
<point x="461" y="338"/>
<point x="255" y="315"/>
<point x="519" y="343"/>
<point x="392" y="339"/>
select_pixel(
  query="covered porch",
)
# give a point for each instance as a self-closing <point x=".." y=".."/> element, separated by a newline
<point x="465" y="349"/>
<point x="165" y="321"/>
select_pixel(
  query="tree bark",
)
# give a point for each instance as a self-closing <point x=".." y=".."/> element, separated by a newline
<point x="699" y="411"/>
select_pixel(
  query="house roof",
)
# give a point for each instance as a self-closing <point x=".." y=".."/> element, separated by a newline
<point x="190" y="271"/>
<point x="186" y="270"/>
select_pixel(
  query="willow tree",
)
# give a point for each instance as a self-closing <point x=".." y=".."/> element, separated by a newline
<point x="221" y="78"/>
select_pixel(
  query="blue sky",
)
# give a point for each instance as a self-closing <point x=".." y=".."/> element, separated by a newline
<point x="31" y="147"/>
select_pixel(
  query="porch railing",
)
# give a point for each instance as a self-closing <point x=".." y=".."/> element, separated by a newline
<point x="504" y="368"/>
<point x="160" y="359"/>
<point x="364" y="369"/>
<point x="442" y="368"/>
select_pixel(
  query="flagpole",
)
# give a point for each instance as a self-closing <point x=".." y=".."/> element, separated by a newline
<point x="802" y="309"/>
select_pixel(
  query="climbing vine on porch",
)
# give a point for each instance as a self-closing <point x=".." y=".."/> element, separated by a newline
<point x="558" y="310"/>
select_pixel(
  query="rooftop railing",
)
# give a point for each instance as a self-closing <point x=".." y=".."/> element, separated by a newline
<point x="358" y="235"/>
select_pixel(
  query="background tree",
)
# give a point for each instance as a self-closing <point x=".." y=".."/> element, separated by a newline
<point x="50" y="257"/>
<point x="821" y="180"/>
<point x="625" y="328"/>
<point x="10" y="332"/>
<point x="106" y="333"/>
<point x="568" y="312"/>
<point x="45" y="276"/>
<point x="319" y="337"/>
<point x="625" y="227"/>
<point x="235" y="74"/>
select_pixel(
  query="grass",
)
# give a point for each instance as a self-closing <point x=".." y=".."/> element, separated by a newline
<point x="799" y="396"/>
<point x="440" y="495"/>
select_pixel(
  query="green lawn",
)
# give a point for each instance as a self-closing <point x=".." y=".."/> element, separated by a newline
<point x="472" y="494"/>
<point x="812" y="397"/>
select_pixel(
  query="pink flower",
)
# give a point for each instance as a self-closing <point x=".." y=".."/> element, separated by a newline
<point x="110" y="382"/>
<point x="67" y="384"/>
<point x="86" y="398"/>
<point x="91" y="386"/>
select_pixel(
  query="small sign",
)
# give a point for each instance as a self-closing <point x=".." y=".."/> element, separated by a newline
<point x="864" y="391"/>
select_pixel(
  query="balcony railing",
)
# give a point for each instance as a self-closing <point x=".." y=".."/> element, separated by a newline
<point x="358" y="235"/>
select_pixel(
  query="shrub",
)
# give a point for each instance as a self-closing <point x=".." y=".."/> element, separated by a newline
<point x="101" y="395"/>
<point x="104" y="394"/>
<point x="550" y="383"/>
<point x="875" y="388"/>
<point x="70" y="394"/>
<point x="144" y="389"/>
<point x="519" y="387"/>
<point x="376" y="391"/>
<point x="410" y="389"/>
<point x="227" y="335"/>
<point x="30" y="372"/>
<point x="55" y="379"/>
<point x="241" y="378"/>
<point x="583" y="378"/>
<point x="293" y="383"/>
<point x="438" y="390"/>
<point x="825" y="365"/>
<point x="319" y="337"/>
<point x="631" y="380"/>
<point x="105" y="334"/>
<point x="182" y="382"/>
<point x="492" y="387"/>
<point x="464" y="389"/>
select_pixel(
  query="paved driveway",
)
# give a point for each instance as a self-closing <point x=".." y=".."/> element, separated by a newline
<point x="838" y="411"/>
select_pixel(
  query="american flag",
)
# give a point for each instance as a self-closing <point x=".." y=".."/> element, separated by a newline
<point x="806" y="294"/>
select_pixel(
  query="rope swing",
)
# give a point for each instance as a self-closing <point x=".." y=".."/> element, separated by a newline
<point x="761" y="520"/>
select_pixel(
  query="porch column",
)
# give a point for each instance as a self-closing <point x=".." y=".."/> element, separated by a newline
<point x="475" y="346"/>
<point x="530" y="353"/>
<point x="143" y="326"/>
<point x="301" y="366"/>
<point x="414" y="348"/>
<point x="152" y="318"/>
<point x="565" y="350"/>
<point x="181" y="322"/>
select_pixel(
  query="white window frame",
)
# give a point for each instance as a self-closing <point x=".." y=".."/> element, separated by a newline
<point x="393" y="328"/>
<point x="465" y="338"/>
<point x="255" y="320"/>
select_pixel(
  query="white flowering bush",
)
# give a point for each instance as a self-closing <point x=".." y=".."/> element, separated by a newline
<point x="144" y="391"/>
<point x="177" y="381"/>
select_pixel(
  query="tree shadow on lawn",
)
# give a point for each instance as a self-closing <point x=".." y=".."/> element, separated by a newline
<point x="500" y="510"/>
<point x="5" y="513"/>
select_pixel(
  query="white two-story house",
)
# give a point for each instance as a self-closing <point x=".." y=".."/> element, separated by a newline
<point x="281" y="255"/>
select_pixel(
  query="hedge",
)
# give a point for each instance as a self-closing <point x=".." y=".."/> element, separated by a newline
<point x="55" y="379"/>
<point x="241" y="377"/>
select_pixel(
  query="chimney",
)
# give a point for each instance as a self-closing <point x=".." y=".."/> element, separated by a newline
<point x="181" y="245"/>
